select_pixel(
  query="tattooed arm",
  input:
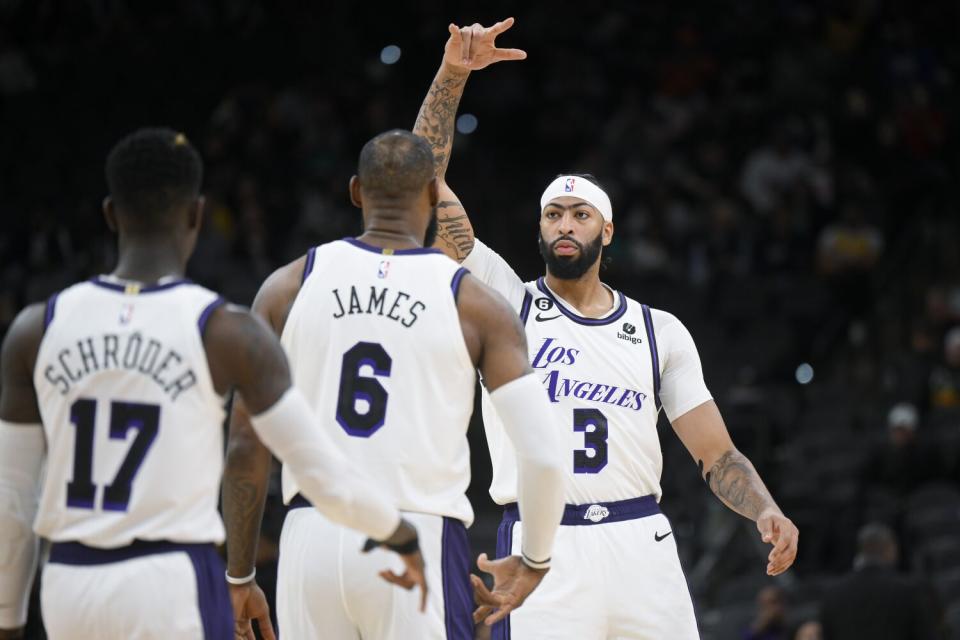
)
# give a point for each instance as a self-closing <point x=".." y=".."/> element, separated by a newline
<point x="734" y="480"/>
<point x="467" y="49"/>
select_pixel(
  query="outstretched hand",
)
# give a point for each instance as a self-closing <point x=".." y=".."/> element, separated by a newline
<point x="474" y="47"/>
<point x="778" y="530"/>
<point x="513" y="581"/>
<point x="250" y="604"/>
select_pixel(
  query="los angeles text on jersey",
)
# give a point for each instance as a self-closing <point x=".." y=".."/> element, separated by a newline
<point x="131" y="352"/>
<point x="551" y="353"/>
<point x="396" y="305"/>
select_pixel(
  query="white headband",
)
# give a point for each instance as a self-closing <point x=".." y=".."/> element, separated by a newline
<point x="580" y="188"/>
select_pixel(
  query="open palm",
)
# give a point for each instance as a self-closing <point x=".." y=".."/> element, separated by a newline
<point x="475" y="47"/>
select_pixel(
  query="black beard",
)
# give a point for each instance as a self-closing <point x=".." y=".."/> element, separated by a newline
<point x="571" y="268"/>
<point x="431" y="234"/>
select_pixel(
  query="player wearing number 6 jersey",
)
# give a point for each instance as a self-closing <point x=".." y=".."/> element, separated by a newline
<point x="128" y="374"/>
<point x="384" y="337"/>
<point x="609" y="365"/>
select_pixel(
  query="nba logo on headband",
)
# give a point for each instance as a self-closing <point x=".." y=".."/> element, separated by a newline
<point x="585" y="190"/>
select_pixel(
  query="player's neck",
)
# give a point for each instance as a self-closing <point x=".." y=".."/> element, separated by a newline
<point x="390" y="236"/>
<point x="586" y="293"/>
<point x="148" y="260"/>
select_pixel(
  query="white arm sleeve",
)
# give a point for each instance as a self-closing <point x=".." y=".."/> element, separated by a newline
<point x="22" y="449"/>
<point x="492" y="270"/>
<point x="526" y="414"/>
<point x="328" y="480"/>
<point x="682" y="387"/>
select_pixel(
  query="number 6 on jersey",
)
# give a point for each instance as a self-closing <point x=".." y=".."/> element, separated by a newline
<point x="354" y="388"/>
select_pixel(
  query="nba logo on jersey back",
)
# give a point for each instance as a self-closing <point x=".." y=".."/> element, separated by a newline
<point x="384" y="269"/>
<point x="126" y="314"/>
<point x="568" y="186"/>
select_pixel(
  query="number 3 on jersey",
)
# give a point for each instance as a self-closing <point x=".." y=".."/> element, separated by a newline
<point x="595" y="440"/>
<point x="354" y="388"/>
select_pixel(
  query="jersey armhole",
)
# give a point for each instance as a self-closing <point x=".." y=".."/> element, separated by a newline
<point x="525" y="306"/>
<point x="654" y="356"/>
<point x="455" y="281"/>
<point x="207" y="312"/>
<point x="308" y="265"/>
<point x="50" y="310"/>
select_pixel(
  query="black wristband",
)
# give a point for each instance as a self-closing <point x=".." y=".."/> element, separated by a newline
<point x="411" y="546"/>
<point x="406" y="548"/>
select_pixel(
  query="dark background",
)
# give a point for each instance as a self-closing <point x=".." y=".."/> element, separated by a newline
<point x="783" y="174"/>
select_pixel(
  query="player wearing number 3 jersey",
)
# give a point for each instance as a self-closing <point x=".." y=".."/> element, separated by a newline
<point x="128" y="374"/>
<point x="384" y="337"/>
<point x="609" y="365"/>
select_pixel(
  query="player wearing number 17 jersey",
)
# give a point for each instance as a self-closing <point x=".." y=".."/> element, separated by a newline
<point x="384" y="337"/>
<point x="128" y="374"/>
<point x="609" y="365"/>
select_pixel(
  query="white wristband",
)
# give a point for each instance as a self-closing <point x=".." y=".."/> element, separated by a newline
<point x="240" y="581"/>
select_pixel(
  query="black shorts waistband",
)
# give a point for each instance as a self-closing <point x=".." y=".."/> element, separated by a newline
<point x="77" y="553"/>
<point x="578" y="515"/>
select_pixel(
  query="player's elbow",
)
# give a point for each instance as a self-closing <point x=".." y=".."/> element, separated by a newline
<point x="245" y="450"/>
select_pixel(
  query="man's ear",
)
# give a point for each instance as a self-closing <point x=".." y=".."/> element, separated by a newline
<point x="196" y="213"/>
<point x="607" y="233"/>
<point x="355" y="196"/>
<point x="110" y="213"/>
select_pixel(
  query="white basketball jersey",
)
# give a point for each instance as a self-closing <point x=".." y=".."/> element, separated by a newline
<point x="605" y="383"/>
<point x="375" y="344"/>
<point x="133" y="424"/>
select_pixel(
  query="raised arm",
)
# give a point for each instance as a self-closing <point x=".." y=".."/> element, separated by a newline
<point x="498" y="346"/>
<point x="467" y="49"/>
<point x="22" y="449"/>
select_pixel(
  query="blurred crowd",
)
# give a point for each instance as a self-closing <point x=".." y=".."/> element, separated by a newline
<point x="783" y="176"/>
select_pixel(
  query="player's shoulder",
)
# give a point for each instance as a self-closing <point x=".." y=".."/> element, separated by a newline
<point x="280" y="289"/>
<point x="660" y="318"/>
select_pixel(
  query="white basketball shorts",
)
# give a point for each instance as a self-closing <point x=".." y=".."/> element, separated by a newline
<point x="147" y="590"/>
<point x="328" y="588"/>
<point x="615" y="574"/>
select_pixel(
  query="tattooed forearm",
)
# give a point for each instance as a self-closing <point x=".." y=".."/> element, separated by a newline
<point x="245" y="477"/>
<point x="734" y="480"/>
<point x="435" y="122"/>
<point x="454" y="229"/>
<point x="242" y="513"/>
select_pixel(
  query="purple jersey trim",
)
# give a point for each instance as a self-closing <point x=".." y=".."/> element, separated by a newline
<point x="654" y="356"/>
<point x="592" y="322"/>
<point x="308" y="267"/>
<point x="525" y="306"/>
<point x="116" y="286"/>
<point x="396" y="252"/>
<point x="49" y="311"/>
<point x="576" y="515"/>
<point x="207" y="312"/>
<point x="455" y="559"/>
<point x="501" y="630"/>
<point x="455" y="282"/>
